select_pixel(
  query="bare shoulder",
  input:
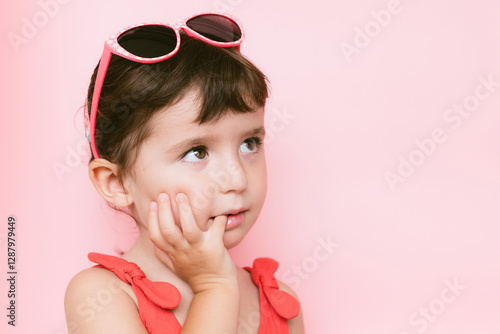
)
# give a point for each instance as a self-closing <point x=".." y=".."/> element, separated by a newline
<point x="295" y="325"/>
<point x="286" y="288"/>
<point x="97" y="301"/>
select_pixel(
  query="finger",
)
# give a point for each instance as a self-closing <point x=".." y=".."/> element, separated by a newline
<point x="190" y="229"/>
<point x="154" y="231"/>
<point x="219" y="226"/>
<point x="168" y="228"/>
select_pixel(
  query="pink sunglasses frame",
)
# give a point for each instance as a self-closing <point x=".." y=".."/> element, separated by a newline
<point x="111" y="46"/>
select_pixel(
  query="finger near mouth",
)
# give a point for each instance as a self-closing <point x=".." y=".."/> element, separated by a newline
<point x="211" y="219"/>
<point x="231" y="222"/>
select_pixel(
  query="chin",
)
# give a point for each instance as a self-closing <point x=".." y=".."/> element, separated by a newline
<point x="232" y="239"/>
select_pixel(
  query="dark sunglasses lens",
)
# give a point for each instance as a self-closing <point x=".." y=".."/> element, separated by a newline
<point x="148" y="41"/>
<point x="215" y="27"/>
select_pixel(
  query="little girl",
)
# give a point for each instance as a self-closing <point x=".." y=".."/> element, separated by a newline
<point x="176" y="131"/>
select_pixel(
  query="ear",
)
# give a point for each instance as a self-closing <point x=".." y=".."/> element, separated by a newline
<point x="103" y="175"/>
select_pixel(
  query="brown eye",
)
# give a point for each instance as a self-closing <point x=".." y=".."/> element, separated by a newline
<point x="200" y="153"/>
<point x="251" y="145"/>
<point x="195" y="154"/>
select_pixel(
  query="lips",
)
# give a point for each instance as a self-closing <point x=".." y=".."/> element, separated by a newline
<point x="234" y="218"/>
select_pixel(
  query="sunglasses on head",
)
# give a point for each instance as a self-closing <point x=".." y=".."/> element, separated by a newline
<point x="154" y="42"/>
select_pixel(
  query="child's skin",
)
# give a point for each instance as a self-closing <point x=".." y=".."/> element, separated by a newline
<point x="178" y="242"/>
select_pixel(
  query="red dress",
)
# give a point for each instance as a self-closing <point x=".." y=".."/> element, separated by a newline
<point x="157" y="299"/>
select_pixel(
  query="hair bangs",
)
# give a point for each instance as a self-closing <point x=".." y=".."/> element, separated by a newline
<point x="227" y="81"/>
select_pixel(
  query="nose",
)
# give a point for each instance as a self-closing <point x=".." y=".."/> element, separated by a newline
<point x="230" y="175"/>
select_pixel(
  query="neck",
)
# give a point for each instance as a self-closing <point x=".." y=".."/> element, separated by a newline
<point x="142" y="253"/>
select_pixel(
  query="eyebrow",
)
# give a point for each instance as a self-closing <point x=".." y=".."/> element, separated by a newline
<point x="196" y="141"/>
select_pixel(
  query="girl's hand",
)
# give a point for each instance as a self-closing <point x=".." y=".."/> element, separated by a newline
<point x="198" y="257"/>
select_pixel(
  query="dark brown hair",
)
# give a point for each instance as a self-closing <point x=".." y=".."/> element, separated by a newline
<point x="133" y="92"/>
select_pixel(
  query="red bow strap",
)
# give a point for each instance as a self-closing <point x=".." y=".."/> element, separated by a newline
<point x="162" y="294"/>
<point x="263" y="275"/>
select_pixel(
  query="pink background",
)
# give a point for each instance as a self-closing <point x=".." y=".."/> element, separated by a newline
<point x="353" y="117"/>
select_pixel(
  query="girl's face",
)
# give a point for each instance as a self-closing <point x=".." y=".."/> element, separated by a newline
<point x="220" y="166"/>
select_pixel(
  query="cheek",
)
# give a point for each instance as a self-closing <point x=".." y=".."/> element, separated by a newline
<point x="153" y="181"/>
<point x="197" y="200"/>
<point x="262" y="192"/>
<point x="149" y="192"/>
<point x="259" y="177"/>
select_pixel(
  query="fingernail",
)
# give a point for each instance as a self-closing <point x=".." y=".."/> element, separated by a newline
<point x="181" y="197"/>
<point x="162" y="197"/>
<point x="152" y="205"/>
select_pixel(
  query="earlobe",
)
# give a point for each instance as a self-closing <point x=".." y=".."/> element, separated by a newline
<point x="103" y="175"/>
